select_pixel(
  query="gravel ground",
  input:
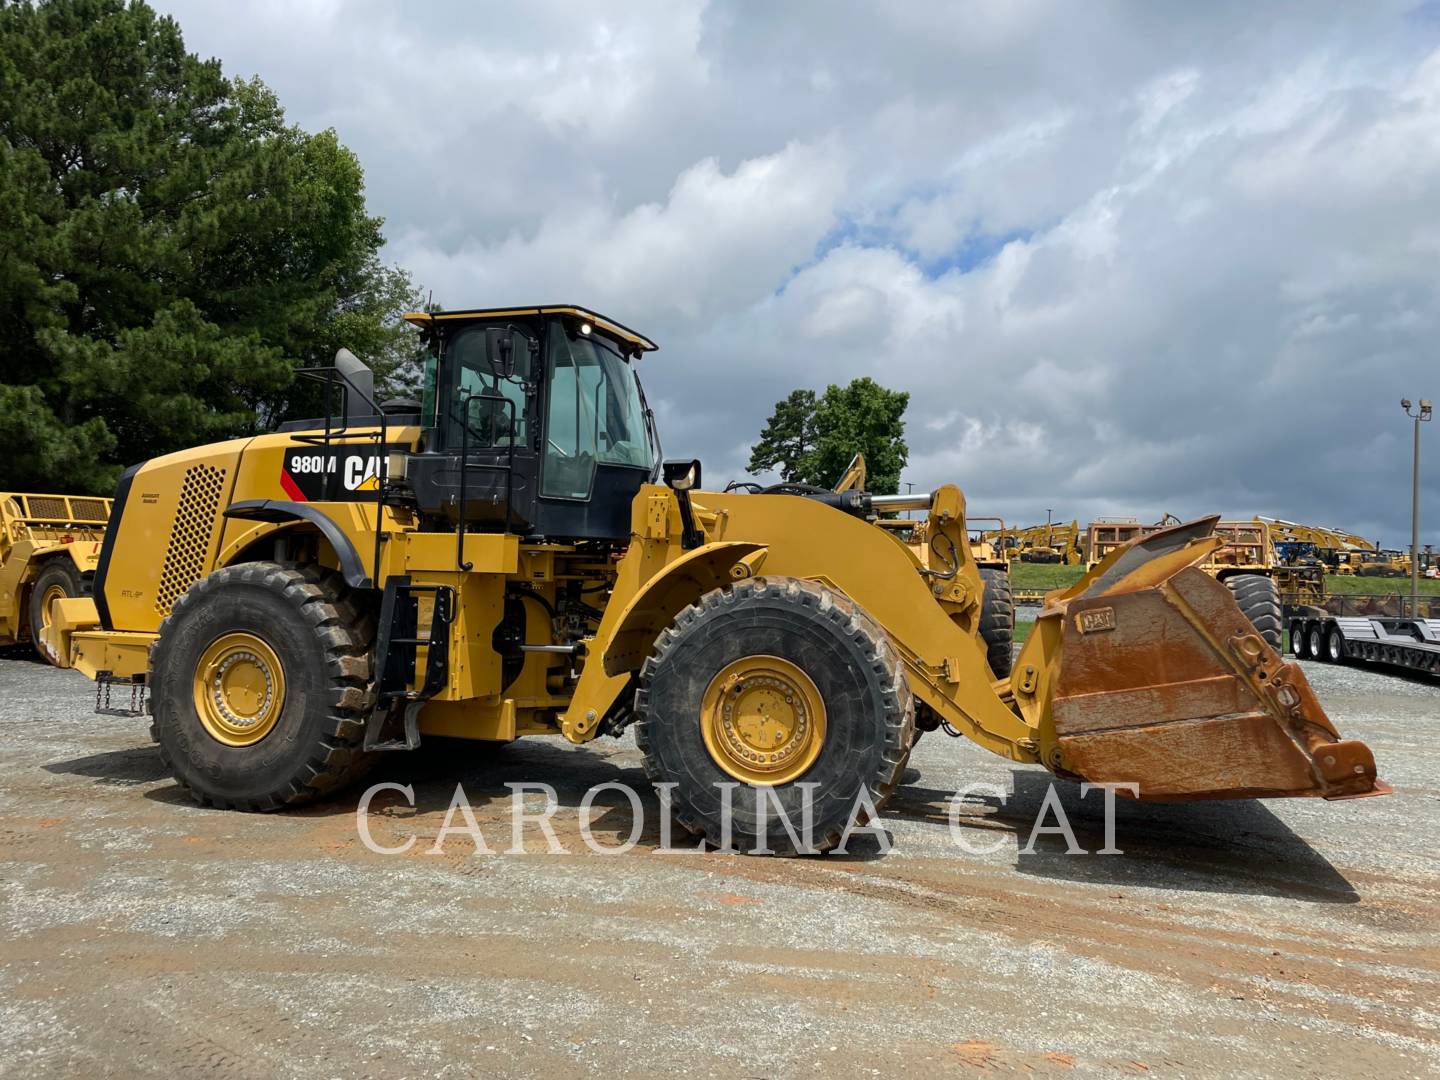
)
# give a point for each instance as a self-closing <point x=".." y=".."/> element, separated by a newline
<point x="146" y="936"/>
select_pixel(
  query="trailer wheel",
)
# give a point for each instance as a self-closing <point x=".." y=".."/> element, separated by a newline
<point x="761" y="690"/>
<point x="1335" y="645"/>
<point x="1260" y="603"/>
<point x="58" y="580"/>
<point x="260" y="687"/>
<point x="1297" y="640"/>
<point x="997" y="621"/>
<point x="1315" y="642"/>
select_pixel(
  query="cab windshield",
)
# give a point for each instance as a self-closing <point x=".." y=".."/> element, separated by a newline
<point x="594" y="413"/>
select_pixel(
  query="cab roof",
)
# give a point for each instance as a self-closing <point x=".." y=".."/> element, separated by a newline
<point x="610" y="326"/>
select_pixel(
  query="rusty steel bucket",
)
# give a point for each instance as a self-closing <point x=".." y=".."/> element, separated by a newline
<point x="1163" y="683"/>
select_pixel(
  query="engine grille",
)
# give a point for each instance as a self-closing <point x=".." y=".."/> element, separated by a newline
<point x="188" y="552"/>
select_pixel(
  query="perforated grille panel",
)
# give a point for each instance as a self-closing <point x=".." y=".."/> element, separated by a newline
<point x="89" y="509"/>
<point x="44" y="506"/>
<point x="189" y="547"/>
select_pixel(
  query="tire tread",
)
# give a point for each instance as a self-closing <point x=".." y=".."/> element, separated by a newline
<point x="322" y="600"/>
<point x="1259" y="601"/>
<point x="881" y="657"/>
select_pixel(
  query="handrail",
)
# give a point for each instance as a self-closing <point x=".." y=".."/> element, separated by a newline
<point x="465" y="465"/>
<point x="329" y="376"/>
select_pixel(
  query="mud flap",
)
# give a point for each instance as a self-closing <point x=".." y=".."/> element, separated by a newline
<point x="1164" y="684"/>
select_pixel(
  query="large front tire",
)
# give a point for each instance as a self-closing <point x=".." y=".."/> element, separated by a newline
<point x="260" y="687"/>
<point x="764" y="689"/>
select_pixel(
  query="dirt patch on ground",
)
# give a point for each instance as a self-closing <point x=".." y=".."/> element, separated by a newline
<point x="145" y="935"/>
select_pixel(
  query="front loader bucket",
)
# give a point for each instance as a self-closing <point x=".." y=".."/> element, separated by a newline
<point x="1164" y="684"/>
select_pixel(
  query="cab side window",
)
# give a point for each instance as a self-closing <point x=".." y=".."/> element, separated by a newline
<point x="491" y="408"/>
<point x="572" y="427"/>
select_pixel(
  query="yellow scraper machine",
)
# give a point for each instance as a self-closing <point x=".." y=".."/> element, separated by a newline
<point x="512" y="558"/>
<point x="49" y="548"/>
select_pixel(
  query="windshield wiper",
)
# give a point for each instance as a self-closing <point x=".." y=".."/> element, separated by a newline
<point x="651" y="428"/>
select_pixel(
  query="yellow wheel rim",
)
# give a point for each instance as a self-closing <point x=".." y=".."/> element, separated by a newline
<point x="47" y="601"/>
<point x="763" y="720"/>
<point x="239" y="689"/>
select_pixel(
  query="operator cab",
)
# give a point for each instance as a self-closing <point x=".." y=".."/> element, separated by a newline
<point x="535" y="422"/>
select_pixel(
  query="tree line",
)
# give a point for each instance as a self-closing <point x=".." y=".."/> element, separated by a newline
<point x="171" y="250"/>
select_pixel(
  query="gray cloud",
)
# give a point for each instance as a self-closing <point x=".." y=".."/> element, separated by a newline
<point x="1126" y="258"/>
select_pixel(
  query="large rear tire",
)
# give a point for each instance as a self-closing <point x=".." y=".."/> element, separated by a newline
<point x="260" y="687"/>
<point x="765" y="688"/>
<point x="57" y="580"/>
<point x="997" y="621"/>
<point x="1259" y="602"/>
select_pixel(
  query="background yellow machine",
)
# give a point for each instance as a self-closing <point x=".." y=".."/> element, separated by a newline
<point x="1339" y="551"/>
<point x="1054" y="542"/>
<point x="49" y="548"/>
<point x="1244" y="561"/>
<point x="510" y="558"/>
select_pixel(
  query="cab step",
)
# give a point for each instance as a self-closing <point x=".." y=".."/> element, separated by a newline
<point x="396" y="658"/>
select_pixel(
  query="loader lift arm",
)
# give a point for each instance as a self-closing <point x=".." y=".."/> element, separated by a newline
<point x="1143" y="672"/>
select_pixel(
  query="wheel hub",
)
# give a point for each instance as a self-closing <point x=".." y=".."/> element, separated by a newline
<point x="763" y="720"/>
<point x="239" y="689"/>
<point x="47" y="602"/>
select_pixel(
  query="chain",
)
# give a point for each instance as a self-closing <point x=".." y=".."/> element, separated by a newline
<point x="104" y="682"/>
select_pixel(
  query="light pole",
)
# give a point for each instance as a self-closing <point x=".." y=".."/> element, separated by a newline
<point x="1419" y="417"/>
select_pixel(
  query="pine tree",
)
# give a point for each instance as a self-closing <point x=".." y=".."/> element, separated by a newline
<point x="170" y="249"/>
<point x="788" y="440"/>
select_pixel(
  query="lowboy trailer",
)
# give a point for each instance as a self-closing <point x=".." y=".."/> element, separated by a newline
<point x="1413" y="644"/>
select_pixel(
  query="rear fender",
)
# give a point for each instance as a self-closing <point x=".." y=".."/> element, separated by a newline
<point x="280" y="514"/>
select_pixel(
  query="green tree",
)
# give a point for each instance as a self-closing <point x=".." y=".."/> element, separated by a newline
<point x="863" y="417"/>
<point x="788" y="441"/>
<point x="812" y="441"/>
<point x="170" y="249"/>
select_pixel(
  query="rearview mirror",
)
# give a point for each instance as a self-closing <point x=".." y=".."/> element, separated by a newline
<point x="500" y="351"/>
<point x="681" y="475"/>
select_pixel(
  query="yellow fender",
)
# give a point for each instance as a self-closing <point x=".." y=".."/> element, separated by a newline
<point x="656" y="580"/>
<point x="662" y="597"/>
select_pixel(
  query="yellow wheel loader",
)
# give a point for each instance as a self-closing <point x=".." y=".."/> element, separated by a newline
<point x="511" y="557"/>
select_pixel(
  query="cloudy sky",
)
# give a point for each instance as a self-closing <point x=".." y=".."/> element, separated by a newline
<point x="1127" y="258"/>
